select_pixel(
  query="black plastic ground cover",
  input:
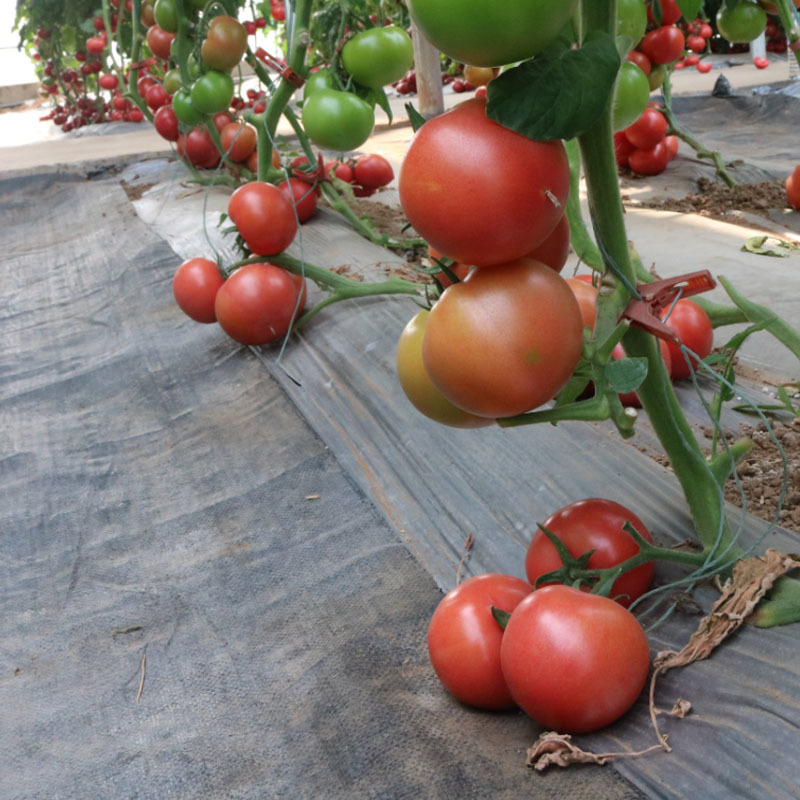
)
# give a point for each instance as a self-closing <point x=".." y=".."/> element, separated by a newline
<point x="171" y="530"/>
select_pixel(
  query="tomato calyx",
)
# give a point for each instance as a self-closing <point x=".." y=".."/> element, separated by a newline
<point x="573" y="570"/>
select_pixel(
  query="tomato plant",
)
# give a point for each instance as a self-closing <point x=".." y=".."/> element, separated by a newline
<point x="483" y="216"/>
<point x="575" y="662"/>
<point x="258" y="303"/>
<point x="464" y="639"/>
<point x="593" y="524"/>
<point x="693" y="327"/>
<point x="486" y="33"/>
<point x="225" y="43"/>
<point x="378" y="56"/>
<point x="505" y="340"/>
<point x="337" y="120"/>
<point x="264" y="216"/>
<point x="195" y="286"/>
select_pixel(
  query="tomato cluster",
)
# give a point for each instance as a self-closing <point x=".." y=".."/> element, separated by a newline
<point x="572" y="660"/>
<point x="645" y="145"/>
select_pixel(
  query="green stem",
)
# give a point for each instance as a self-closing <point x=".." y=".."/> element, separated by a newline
<point x="722" y="464"/>
<point x="109" y="34"/>
<point x="580" y="239"/>
<point x="789" y="22"/>
<point x="592" y="410"/>
<point x="136" y="52"/>
<point x="182" y="44"/>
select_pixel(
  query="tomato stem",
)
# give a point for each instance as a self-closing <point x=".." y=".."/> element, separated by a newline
<point x="790" y="25"/>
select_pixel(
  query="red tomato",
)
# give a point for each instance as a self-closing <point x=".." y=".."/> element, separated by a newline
<point x="704" y="66"/>
<point x="641" y="61"/>
<point x="238" y="140"/>
<point x="663" y="45"/>
<point x="461" y="270"/>
<point x="593" y="524"/>
<point x="793" y="188"/>
<point x="631" y="398"/>
<point x="156" y="97"/>
<point x="302" y="195"/>
<point x="108" y="81"/>
<point x="166" y="123"/>
<point x="650" y="162"/>
<point x="648" y="130"/>
<point x="573" y="661"/>
<point x="264" y="216"/>
<point x="259" y="302"/>
<point x="96" y="44"/>
<point x="200" y="148"/>
<point x="622" y="148"/>
<point x="697" y="44"/>
<point x="221" y="119"/>
<point x="672" y="143"/>
<point x="344" y="172"/>
<point x="464" y="639"/>
<point x="693" y="327"/>
<point x="143" y="84"/>
<point x="159" y="41"/>
<point x="670" y="12"/>
<point x="586" y="295"/>
<point x="373" y="171"/>
<point x="505" y="340"/>
<point x="195" y="287"/>
<point x="554" y="250"/>
<point x="487" y="215"/>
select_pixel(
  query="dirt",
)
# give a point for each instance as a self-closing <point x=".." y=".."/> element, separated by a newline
<point x="136" y="191"/>
<point x="713" y="198"/>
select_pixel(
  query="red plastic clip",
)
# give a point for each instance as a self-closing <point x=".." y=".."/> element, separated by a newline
<point x="280" y="67"/>
<point x="658" y="295"/>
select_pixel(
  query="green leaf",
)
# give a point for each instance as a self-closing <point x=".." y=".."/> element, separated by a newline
<point x="655" y="10"/>
<point x="559" y="94"/>
<point x="414" y="117"/>
<point x="690" y="8"/>
<point x="757" y="245"/>
<point x="383" y="101"/>
<point x="88" y="27"/>
<point x="627" y="374"/>
<point x="501" y="617"/>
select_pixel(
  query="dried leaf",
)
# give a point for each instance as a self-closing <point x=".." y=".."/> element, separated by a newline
<point x="557" y="749"/>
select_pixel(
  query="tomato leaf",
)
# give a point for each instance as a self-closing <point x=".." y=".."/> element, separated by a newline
<point x="559" y="94"/>
<point x="627" y="374"/>
<point x="501" y="617"/>
<point x="414" y="117"/>
<point x="757" y="245"/>
<point x="656" y="11"/>
<point x="690" y="8"/>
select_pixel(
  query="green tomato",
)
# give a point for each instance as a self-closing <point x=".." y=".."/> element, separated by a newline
<point x="741" y="21"/>
<point x="166" y="14"/>
<point x="172" y="81"/>
<point x="378" y="56"/>
<point x="183" y="108"/>
<point x="656" y="77"/>
<point x="490" y="33"/>
<point x="321" y="79"/>
<point x="631" y="95"/>
<point x="212" y="92"/>
<point x="631" y="19"/>
<point x="337" y="120"/>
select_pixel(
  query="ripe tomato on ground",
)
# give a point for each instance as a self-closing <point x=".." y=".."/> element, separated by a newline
<point x="464" y="639"/>
<point x="593" y="524"/>
<point x="573" y="661"/>
<point x="195" y="287"/>
<point x="505" y="340"/>
<point x="258" y="303"/>
<point x="652" y="161"/>
<point x="264" y="216"/>
<point x="693" y="327"/>
<point x="417" y="385"/>
<point x="478" y="192"/>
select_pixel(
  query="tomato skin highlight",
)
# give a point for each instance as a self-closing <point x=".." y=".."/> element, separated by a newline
<point x="464" y="639"/>
<point x="487" y="215"/>
<point x="573" y="661"/>
<point x="505" y="340"/>
<point x="593" y="524"/>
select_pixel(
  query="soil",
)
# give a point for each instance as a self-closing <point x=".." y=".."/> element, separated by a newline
<point x="713" y="198"/>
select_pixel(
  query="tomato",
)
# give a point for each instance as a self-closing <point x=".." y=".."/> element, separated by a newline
<point x="166" y="123"/>
<point x="554" y="250"/>
<point x="258" y="303"/>
<point x="479" y="76"/>
<point x="631" y="94"/>
<point x="166" y="14"/>
<point x="656" y="76"/>
<point x="156" y="96"/>
<point x="586" y="295"/>
<point x="672" y="143"/>
<point x="648" y="130"/>
<point x="793" y="188"/>
<point x="337" y="120"/>
<point x="464" y="639"/>
<point x="487" y="215"/>
<point x="264" y="216"/>
<point x="372" y="171"/>
<point x="486" y="33"/>
<point x="172" y="81"/>
<point x="641" y="61"/>
<point x="631" y="398"/>
<point x="505" y="340"/>
<point x="460" y="270"/>
<point x="159" y="41"/>
<point x="321" y="79"/>
<point x="184" y="109"/>
<point x="238" y="140"/>
<point x="670" y="12"/>
<point x="631" y="19"/>
<point x="225" y="43"/>
<point x="697" y="44"/>
<point x="663" y="45"/>
<point x="195" y="287"/>
<point x="693" y="327"/>
<point x="302" y="196"/>
<point x="622" y="148"/>
<point x="134" y="115"/>
<point x="221" y="119"/>
<point x="705" y="66"/>
<point x="742" y="21"/>
<point x="212" y="92"/>
<point x="769" y="7"/>
<point x="200" y="148"/>
<point x="147" y="15"/>
<point x="652" y="161"/>
<point x="378" y="56"/>
<point x="593" y="524"/>
<point x="96" y="44"/>
<point x="108" y="81"/>
<point x="416" y="382"/>
<point x="341" y="170"/>
<point x="573" y="661"/>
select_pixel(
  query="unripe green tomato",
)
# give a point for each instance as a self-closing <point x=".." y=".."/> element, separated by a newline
<point x="172" y="81"/>
<point x="378" y="56"/>
<point x="183" y="108"/>
<point x="656" y="77"/>
<point x="212" y="92"/>
<point x="321" y="79"/>
<point x="166" y="14"/>
<point x="741" y="21"/>
<point x="631" y="19"/>
<point x="631" y="95"/>
<point x="337" y="120"/>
